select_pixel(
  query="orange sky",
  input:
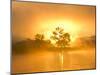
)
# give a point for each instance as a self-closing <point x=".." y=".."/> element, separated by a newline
<point x="29" y="18"/>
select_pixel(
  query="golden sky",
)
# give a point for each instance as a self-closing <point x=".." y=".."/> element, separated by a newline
<point x="29" y="18"/>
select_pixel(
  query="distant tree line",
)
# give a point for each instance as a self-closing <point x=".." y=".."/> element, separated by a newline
<point x="61" y="38"/>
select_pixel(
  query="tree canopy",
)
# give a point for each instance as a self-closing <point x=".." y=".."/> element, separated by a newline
<point x="61" y="38"/>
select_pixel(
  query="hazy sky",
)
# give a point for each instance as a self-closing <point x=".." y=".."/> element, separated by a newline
<point x="30" y="18"/>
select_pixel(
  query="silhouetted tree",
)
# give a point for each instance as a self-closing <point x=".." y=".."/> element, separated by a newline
<point x="39" y="37"/>
<point x="41" y="42"/>
<point x="62" y="39"/>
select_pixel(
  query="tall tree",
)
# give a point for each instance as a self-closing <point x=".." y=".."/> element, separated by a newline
<point x="61" y="38"/>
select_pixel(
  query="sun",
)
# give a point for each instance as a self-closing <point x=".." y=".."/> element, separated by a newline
<point x="46" y="27"/>
<point x="68" y="26"/>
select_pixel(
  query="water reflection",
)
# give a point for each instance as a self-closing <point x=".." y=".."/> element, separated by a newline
<point x="44" y="60"/>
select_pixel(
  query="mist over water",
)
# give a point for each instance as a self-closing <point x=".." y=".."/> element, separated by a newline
<point x="49" y="60"/>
